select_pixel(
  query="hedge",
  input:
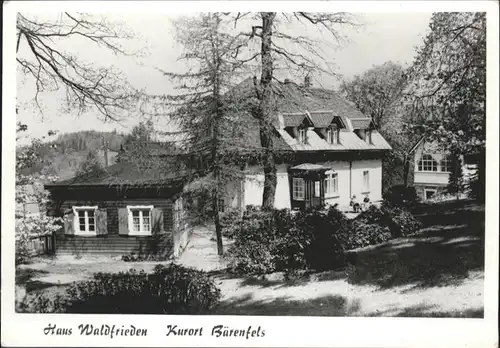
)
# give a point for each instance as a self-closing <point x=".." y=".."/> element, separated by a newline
<point x="168" y="290"/>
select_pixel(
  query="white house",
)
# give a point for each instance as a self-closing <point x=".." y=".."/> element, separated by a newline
<point x="327" y="152"/>
<point x="432" y="167"/>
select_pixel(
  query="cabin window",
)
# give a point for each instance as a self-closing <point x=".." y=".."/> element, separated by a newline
<point x="331" y="184"/>
<point x="332" y="135"/>
<point x="85" y="220"/>
<point x="366" y="181"/>
<point x="427" y="164"/>
<point x="446" y="164"/>
<point x="140" y="220"/>
<point x="302" y="135"/>
<point x="298" y="189"/>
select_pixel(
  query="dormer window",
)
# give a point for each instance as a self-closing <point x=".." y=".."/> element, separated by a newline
<point x="302" y="136"/>
<point x="332" y="135"/>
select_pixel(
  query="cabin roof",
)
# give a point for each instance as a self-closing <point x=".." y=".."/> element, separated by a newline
<point x="123" y="173"/>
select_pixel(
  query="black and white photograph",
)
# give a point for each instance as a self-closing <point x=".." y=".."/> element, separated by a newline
<point x="252" y="164"/>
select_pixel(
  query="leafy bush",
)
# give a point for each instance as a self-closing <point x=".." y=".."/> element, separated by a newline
<point x="279" y="240"/>
<point x="228" y="221"/>
<point x="400" y="196"/>
<point x="173" y="290"/>
<point x="324" y="249"/>
<point x="360" y="234"/>
<point x="404" y="223"/>
<point x="256" y="239"/>
<point x="374" y="215"/>
<point x="387" y="222"/>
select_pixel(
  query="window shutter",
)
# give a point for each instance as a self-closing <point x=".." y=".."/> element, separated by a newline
<point x="69" y="221"/>
<point x="102" y="221"/>
<point x="123" y="221"/>
<point x="157" y="217"/>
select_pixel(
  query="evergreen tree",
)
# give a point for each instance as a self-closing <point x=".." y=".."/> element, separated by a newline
<point x="207" y="111"/>
<point x="456" y="179"/>
<point x="92" y="166"/>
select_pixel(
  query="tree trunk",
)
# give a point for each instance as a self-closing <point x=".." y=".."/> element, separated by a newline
<point x="264" y="112"/>
<point x="216" y="218"/>
<point x="406" y="170"/>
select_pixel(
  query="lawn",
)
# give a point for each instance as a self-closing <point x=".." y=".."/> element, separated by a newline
<point x="438" y="272"/>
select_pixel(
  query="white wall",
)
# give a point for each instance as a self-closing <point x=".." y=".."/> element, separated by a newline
<point x="254" y="187"/>
<point x="434" y="178"/>
<point x="254" y="183"/>
<point x="374" y="168"/>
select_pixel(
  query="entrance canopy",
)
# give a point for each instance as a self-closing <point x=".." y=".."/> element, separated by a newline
<point x="311" y="167"/>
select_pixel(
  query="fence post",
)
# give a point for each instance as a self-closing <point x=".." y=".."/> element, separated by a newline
<point x="53" y="243"/>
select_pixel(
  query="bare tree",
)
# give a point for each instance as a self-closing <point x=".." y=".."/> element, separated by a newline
<point x="40" y="55"/>
<point x="299" y="53"/>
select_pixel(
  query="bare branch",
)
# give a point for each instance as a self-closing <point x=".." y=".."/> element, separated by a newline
<point x="103" y="89"/>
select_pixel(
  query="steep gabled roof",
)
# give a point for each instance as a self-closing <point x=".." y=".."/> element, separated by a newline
<point x="361" y="123"/>
<point x="292" y="98"/>
<point x="322" y="119"/>
<point x="293" y="119"/>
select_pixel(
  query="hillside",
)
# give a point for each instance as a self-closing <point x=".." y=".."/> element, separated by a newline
<point x="63" y="156"/>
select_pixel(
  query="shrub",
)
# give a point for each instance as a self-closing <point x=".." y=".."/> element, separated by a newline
<point x="404" y="223"/>
<point x="172" y="290"/>
<point x="324" y="249"/>
<point x="279" y="240"/>
<point x="229" y="220"/>
<point x="374" y="215"/>
<point x="360" y="234"/>
<point x="259" y="243"/>
<point x="400" y="196"/>
<point x="397" y="221"/>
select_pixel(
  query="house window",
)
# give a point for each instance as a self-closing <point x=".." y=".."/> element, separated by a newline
<point x="366" y="181"/>
<point x="331" y="184"/>
<point x="332" y="135"/>
<point x="427" y="164"/>
<point x="140" y="219"/>
<point x="298" y="189"/>
<point x="302" y="135"/>
<point x="85" y="222"/>
<point x="446" y="164"/>
<point x="317" y="189"/>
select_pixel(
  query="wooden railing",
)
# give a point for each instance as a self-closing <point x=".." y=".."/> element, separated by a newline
<point x="42" y="245"/>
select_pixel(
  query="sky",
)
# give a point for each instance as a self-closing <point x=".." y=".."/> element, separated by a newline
<point x="383" y="37"/>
